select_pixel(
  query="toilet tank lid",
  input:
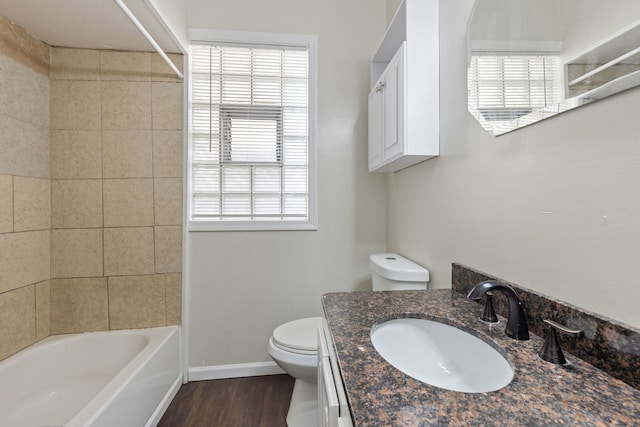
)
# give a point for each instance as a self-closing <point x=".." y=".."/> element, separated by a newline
<point x="301" y="334"/>
<point x="396" y="267"/>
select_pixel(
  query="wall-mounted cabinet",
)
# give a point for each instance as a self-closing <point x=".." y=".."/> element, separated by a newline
<point x="404" y="97"/>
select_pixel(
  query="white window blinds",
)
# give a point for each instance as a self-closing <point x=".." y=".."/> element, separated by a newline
<point x="505" y="88"/>
<point x="250" y="139"/>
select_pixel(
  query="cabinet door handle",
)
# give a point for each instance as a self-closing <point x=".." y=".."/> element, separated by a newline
<point x="380" y="87"/>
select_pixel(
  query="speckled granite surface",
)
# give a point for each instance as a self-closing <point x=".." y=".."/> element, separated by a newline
<point x="541" y="394"/>
<point x="606" y="344"/>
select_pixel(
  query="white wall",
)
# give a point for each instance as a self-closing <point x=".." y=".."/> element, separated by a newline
<point x="554" y="207"/>
<point x="174" y="15"/>
<point x="539" y="21"/>
<point x="392" y="7"/>
<point x="242" y="285"/>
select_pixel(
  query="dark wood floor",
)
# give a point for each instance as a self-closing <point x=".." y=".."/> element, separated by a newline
<point x="236" y="402"/>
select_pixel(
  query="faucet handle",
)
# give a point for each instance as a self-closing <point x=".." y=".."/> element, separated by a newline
<point x="489" y="314"/>
<point x="551" y="351"/>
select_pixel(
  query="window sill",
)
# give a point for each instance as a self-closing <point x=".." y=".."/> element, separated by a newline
<point x="198" y="226"/>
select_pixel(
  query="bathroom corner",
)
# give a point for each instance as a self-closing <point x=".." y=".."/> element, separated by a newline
<point x="25" y="202"/>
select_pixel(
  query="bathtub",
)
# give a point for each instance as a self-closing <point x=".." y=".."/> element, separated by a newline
<point x="99" y="379"/>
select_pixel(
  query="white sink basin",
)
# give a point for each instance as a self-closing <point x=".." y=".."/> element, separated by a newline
<point x="441" y="355"/>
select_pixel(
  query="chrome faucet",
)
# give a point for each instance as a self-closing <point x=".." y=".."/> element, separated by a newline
<point x="516" y="323"/>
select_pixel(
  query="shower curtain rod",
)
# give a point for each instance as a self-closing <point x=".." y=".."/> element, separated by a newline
<point x="146" y="34"/>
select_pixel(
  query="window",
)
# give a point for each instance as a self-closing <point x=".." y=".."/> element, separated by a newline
<point x="504" y="88"/>
<point x="252" y="132"/>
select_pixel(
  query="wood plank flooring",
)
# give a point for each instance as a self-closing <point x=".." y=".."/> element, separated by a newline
<point x="235" y="402"/>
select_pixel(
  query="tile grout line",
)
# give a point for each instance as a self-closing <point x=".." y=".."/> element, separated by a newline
<point x="106" y="278"/>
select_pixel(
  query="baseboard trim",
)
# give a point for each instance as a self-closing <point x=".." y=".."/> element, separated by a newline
<point x="216" y="372"/>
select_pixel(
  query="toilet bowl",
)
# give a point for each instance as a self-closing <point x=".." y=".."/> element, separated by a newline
<point x="293" y="345"/>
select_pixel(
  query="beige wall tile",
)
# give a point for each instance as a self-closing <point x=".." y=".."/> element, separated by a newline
<point x="76" y="154"/>
<point x="127" y="154"/>
<point x="75" y="64"/>
<point x="128" y="202"/>
<point x="75" y="104"/>
<point x="18" y="320"/>
<point x="25" y="259"/>
<point x="43" y="309"/>
<point x="160" y="70"/>
<point x="79" y="305"/>
<point x="126" y="105"/>
<point x="168" y="201"/>
<point x="173" y="298"/>
<point x="168" y="249"/>
<point x="168" y="152"/>
<point x="167" y="105"/>
<point x="76" y="203"/>
<point x="6" y="203"/>
<point x="115" y="65"/>
<point x="136" y="302"/>
<point x="78" y="107"/>
<point x="128" y="251"/>
<point x="24" y="148"/>
<point x="25" y="93"/>
<point x="31" y="204"/>
<point x="76" y="253"/>
<point x="17" y="44"/>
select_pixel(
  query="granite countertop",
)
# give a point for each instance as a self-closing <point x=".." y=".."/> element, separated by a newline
<point x="540" y="393"/>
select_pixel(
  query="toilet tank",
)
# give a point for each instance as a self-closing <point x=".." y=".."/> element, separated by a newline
<point x="393" y="272"/>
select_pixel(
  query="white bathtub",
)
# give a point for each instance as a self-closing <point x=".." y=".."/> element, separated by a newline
<point x="98" y="379"/>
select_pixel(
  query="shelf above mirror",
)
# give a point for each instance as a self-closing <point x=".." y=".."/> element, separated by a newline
<point x="533" y="59"/>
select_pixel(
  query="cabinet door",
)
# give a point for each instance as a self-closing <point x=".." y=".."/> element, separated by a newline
<point x="328" y="405"/>
<point x="393" y="107"/>
<point x="375" y="123"/>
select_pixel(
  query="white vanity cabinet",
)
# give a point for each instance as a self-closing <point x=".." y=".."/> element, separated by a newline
<point x="404" y="97"/>
<point x="333" y="409"/>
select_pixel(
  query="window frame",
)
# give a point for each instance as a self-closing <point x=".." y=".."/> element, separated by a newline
<point x="309" y="42"/>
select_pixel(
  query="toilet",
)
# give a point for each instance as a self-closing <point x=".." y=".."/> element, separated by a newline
<point x="293" y="345"/>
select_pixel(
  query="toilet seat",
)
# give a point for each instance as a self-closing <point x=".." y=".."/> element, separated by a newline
<point x="298" y="336"/>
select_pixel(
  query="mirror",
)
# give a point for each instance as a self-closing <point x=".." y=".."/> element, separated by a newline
<point x="532" y="59"/>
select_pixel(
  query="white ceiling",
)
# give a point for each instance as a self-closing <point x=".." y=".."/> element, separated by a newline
<point x="95" y="24"/>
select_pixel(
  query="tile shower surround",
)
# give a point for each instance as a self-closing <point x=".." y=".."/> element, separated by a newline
<point x="116" y="190"/>
<point x="90" y="190"/>
<point x="606" y="344"/>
